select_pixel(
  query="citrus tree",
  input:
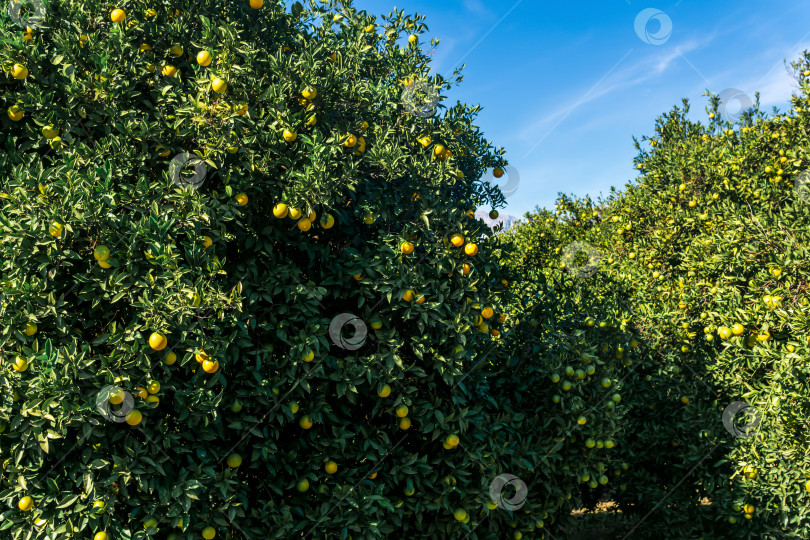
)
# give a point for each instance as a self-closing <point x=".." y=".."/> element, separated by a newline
<point x="704" y="259"/>
<point x="243" y="289"/>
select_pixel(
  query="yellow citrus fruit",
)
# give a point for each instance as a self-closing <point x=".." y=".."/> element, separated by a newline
<point x="134" y="417"/>
<point x="204" y="58"/>
<point x="438" y="150"/>
<point x="144" y="47"/>
<point x="402" y="411"/>
<point x="118" y="15"/>
<point x="408" y="295"/>
<point x="294" y="213"/>
<point x="153" y="387"/>
<point x="241" y="198"/>
<point x="280" y="210"/>
<point x="413" y="38"/>
<point x="465" y="269"/>
<point x="406" y="248"/>
<point x="404" y="423"/>
<point x="19" y="71"/>
<point x="208" y="533"/>
<point x="210" y="366"/>
<point x="163" y="154"/>
<point x="302" y="485"/>
<point x="308" y="356"/>
<point x="169" y="70"/>
<point x="117" y="397"/>
<point x="256" y="4"/>
<point x="20" y="364"/>
<point x="385" y="391"/>
<point x="305" y="422"/>
<point x="471" y="249"/>
<point x="15" y="113"/>
<point x="498" y="172"/>
<point x="421" y="299"/>
<point x="457" y="240"/>
<point x="218" y="85"/>
<point x="460" y="514"/>
<point x="176" y="50"/>
<point x="487" y="312"/>
<point x="331" y="467"/>
<point x="311" y="121"/>
<point x="30" y="329"/>
<point x="327" y="221"/>
<point x="234" y="460"/>
<point x="152" y="401"/>
<point x="290" y="135"/>
<point x="25" y="504"/>
<point x="157" y="341"/>
<point x="101" y="535"/>
<point x="373" y="476"/>
<point x="101" y="253"/>
<point x="309" y="93"/>
<point x="294" y="407"/>
<point x="207" y="242"/>
<point x="304" y="224"/>
<point x="409" y="492"/>
<point x="452" y="440"/>
<point x="749" y="508"/>
<point x="141" y="392"/>
<point x="49" y="132"/>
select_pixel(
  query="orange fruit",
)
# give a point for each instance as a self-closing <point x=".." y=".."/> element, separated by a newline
<point x="385" y="391"/>
<point x="331" y="467"/>
<point x="487" y="312"/>
<point x="470" y="249"/>
<point x="497" y="173"/>
<point x="218" y="85"/>
<point x="134" y="417"/>
<point x="204" y="58"/>
<point x="256" y="4"/>
<point x="241" y="198"/>
<point x="157" y="341"/>
<point x="280" y="210"/>
<point x="209" y="366"/>
<point x="25" y="504"/>
<point x="408" y="295"/>
<point x="118" y="15"/>
<point x="406" y="248"/>
<point x="457" y="240"/>
<point x="304" y="225"/>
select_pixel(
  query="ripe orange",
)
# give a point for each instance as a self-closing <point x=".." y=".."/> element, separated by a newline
<point x="457" y="240"/>
<point x="438" y="150"/>
<point x="204" y="58"/>
<point x="101" y="253"/>
<point x="25" y="504"/>
<point x="497" y="173"/>
<point x="421" y="299"/>
<point x="20" y="364"/>
<point x="118" y="15"/>
<point x="15" y="113"/>
<point x="256" y="4"/>
<point x="208" y="533"/>
<point x="408" y="295"/>
<point x="134" y="417"/>
<point x="19" y="71"/>
<point x="168" y="70"/>
<point x="309" y="93"/>
<point x="305" y="422"/>
<point x="234" y="460"/>
<point x="303" y="485"/>
<point x="327" y="221"/>
<point x="209" y="366"/>
<point x="402" y="411"/>
<point x="465" y="269"/>
<point x="304" y="224"/>
<point x="471" y="249"/>
<point x="406" y="248"/>
<point x="218" y="85"/>
<point x="404" y="423"/>
<point x="280" y="210"/>
<point x="290" y="136"/>
<point x="241" y="198"/>
<point x="487" y="312"/>
<point x="331" y="467"/>
<point x="452" y="440"/>
<point x="157" y="341"/>
<point x="385" y="391"/>
<point x="176" y="50"/>
<point x="308" y="356"/>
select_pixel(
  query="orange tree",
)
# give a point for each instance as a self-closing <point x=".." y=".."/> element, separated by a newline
<point x="192" y="195"/>
<point x="706" y="254"/>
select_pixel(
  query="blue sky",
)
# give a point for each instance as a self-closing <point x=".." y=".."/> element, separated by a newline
<point x="564" y="87"/>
